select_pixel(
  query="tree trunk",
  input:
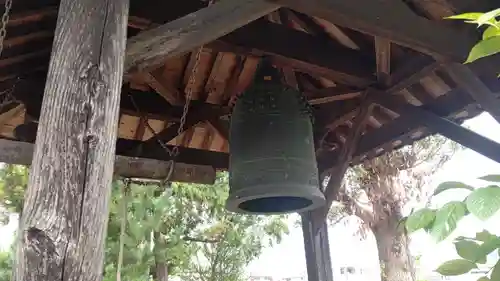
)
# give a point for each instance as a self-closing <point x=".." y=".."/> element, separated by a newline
<point x="161" y="272"/>
<point x="161" y="265"/>
<point x="392" y="242"/>
<point x="65" y="215"/>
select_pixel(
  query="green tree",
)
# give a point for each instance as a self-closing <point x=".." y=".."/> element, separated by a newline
<point x="482" y="203"/>
<point x="167" y="227"/>
<point x="377" y="191"/>
<point x="5" y="265"/>
<point x="13" y="183"/>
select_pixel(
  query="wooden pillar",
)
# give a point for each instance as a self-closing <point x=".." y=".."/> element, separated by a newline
<point x="317" y="249"/>
<point x="63" y="225"/>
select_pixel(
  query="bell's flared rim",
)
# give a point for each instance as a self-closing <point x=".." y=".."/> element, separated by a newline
<point x="289" y="194"/>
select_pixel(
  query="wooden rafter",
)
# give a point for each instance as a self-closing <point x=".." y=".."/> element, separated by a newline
<point x="300" y="50"/>
<point x="383" y="55"/>
<point x="373" y="19"/>
<point x="309" y="53"/>
<point x="150" y="48"/>
<point x="464" y="77"/>
<point x="220" y="127"/>
<point x="445" y="127"/>
<point x="444" y="106"/>
<point x="460" y="73"/>
<point x="332" y="94"/>
<point x="402" y="78"/>
<point x="169" y="93"/>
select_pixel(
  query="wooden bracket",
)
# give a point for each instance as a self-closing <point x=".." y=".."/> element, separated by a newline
<point x="343" y="161"/>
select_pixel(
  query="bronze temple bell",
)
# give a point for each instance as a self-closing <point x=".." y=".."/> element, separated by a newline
<point x="273" y="166"/>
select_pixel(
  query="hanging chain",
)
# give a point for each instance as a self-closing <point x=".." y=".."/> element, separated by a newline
<point x="6" y="97"/>
<point x="189" y="93"/>
<point x="5" y="20"/>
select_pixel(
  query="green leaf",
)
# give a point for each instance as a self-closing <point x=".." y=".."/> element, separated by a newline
<point x="485" y="236"/>
<point x="489" y="17"/>
<point x="495" y="273"/>
<point x="466" y="16"/>
<point x="468" y="250"/>
<point x="456" y="267"/>
<point x="491" y="178"/>
<point x="484" y="202"/>
<point x="136" y="229"/>
<point x="451" y="185"/>
<point x="484" y="278"/>
<point x="420" y="219"/>
<point x="491" y="31"/>
<point x="484" y="48"/>
<point x="446" y="219"/>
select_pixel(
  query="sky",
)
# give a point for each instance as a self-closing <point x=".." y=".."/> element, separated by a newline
<point x="288" y="259"/>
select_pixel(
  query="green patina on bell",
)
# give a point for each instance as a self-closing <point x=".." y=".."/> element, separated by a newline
<point x="273" y="166"/>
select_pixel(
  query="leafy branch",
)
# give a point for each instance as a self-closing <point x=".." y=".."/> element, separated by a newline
<point x="490" y="25"/>
<point x="482" y="203"/>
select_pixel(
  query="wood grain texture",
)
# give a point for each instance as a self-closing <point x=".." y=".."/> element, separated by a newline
<point x="21" y="153"/>
<point x="345" y="156"/>
<point x="402" y="26"/>
<point x="150" y="48"/>
<point x="65" y="214"/>
<point x="447" y="128"/>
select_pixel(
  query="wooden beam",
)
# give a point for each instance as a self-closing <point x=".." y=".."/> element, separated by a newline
<point x="149" y="103"/>
<point x="153" y="150"/>
<point x="150" y="48"/>
<point x="63" y="224"/>
<point x="316" y="248"/>
<point x="10" y="111"/>
<point x="221" y="127"/>
<point x="345" y="155"/>
<point x="466" y="79"/>
<point x="460" y="73"/>
<point x="300" y="51"/>
<point x="192" y="156"/>
<point x="332" y="94"/>
<point x="194" y="117"/>
<point x="412" y="72"/>
<point x="445" y="127"/>
<point x="444" y="106"/>
<point x="383" y="55"/>
<point x="402" y="27"/>
<point x="21" y="153"/>
<point x="169" y="93"/>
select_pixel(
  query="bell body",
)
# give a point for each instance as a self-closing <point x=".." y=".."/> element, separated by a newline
<point x="273" y="166"/>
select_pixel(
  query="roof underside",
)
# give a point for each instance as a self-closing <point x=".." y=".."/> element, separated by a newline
<point x="330" y="64"/>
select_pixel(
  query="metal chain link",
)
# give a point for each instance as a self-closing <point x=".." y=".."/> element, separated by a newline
<point x="5" y="20"/>
<point x="6" y="97"/>
<point x="189" y="93"/>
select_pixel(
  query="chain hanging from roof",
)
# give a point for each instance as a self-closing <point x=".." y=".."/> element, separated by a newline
<point x="174" y="152"/>
<point x="6" y="96"/>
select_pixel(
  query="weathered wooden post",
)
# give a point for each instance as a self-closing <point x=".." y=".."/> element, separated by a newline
<point x="63" y="225"/>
